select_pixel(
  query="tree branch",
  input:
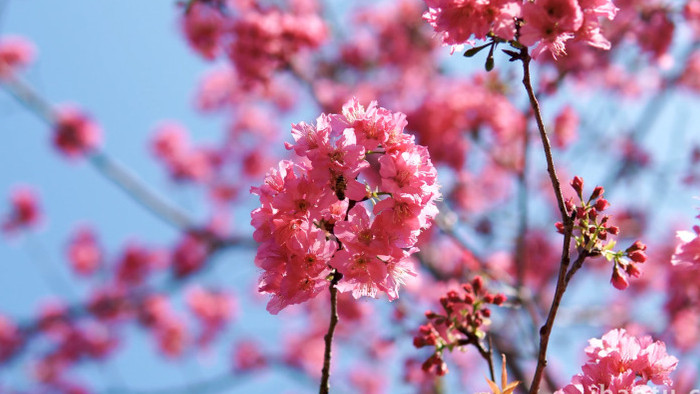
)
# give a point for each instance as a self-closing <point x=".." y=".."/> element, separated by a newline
<point x="326" y="371"/>
<point x="110" y="168"/>
<point x="564" y="275"/>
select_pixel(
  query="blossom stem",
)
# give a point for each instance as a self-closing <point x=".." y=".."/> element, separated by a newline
<point x="565" y="274"/>
<point x="326" y="371"/>
<point x="525" y="57"/>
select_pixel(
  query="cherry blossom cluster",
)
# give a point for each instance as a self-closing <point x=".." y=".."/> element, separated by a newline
<point x="619" y="362"/>
<point x="312" y="220"/>
<point x="258" y="40"/>
<point x="463" y="321"/>
<point x="546" y="24"/>
<point x="592" y="229"/>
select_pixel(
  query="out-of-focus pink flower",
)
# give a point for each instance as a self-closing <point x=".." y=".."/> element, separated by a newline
<point x="305" y="352"/>
<point x="171" y="336"/>
<point x="185" y="163"/>
<point x="565" y="127"/>
<point x="691" y="74"/>
<point x="367" y="381"/>
<point x="247" y="356"/>
<point x="24" y="211"/>
<point x="688" y="248"/>
<point x="189" y="254"/>
<point x="691" y="13"/>
<point x="213" y="309"/>
<point x="134" y="266"/>
<point x="204" y="27"/>
<point x="75" y="133"/>
<point x="10" y="338"/>
<point x="84" y="252"/>
<point x="266" y="41"/>
<point x="15" y="53"/>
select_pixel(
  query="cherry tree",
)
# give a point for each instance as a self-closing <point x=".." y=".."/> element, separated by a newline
<point x="402" y="196"/>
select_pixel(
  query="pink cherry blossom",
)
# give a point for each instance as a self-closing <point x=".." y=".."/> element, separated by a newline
<point x="24" y="212"/>
<point x="620" y="361"/>
<point x="16" y="52"/>
<point x="75" y="133"/>
<point x="84" y="252"/>
<point x="313" y="218"/>
<point x="688" y="248"/>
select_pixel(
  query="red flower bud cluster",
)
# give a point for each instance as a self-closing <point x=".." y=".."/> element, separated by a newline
<point x="623" y="268"/>
<point x="465" y="316"/>
<point x="591" y="231"/>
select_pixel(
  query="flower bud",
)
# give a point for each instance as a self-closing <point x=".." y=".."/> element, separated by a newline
<point x="430" y="314"/>
<point x="577" y="184"/>
<point x="638" y="245"/>
<point x="560" y="227"/>
<point x="569" y="203"/>
<point x="580" y="212"/>
<point x="499" y="299"/>
<point x="601" y="204"/>
<point x="632" y="270"/>
<point x="478" y="284"/>
<point x="597" y="192"/>
<point x="637" y="256"/>
<point x="618" y="279"/>
<point x="468" y="299"/>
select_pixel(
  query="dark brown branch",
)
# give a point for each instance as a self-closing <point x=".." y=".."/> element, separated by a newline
<point x="326" y="371"/>
<point x="543" y="136"/>
<point x="564" y="275"/>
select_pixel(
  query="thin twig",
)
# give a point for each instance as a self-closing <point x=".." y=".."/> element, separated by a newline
<point x="525" y="57"/>
<point x="564" y="275"/>
<point x="326" y="371"/>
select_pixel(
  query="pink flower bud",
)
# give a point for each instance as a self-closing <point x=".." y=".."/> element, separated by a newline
<point x="638" y="245"/>
<point x="597" y="192"/>
<point x="577" y="184"/>
<point x="478" y="284"/>
<point x="468" y="299"/>
<point x="619" y="280"/>
<point x="569" y="203"/>
<point x="499" y="299"/>
<point x="580" y="212"/>
<point x="637" y="256"/>
<point x="601" y="204"/>
<point x="632" y="270"/>
<point x="560" y="227"/>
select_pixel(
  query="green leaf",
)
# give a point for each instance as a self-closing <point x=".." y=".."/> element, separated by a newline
<point x="489" y="63"/>
<point x="473" y="51"/>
